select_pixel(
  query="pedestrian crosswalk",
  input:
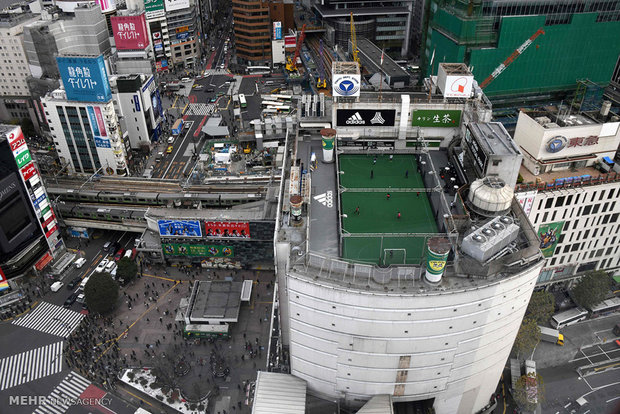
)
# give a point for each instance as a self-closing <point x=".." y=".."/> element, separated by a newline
<point x="200" y="109"/>
<point x="209" y="72"/>
<point x="64" y="395"/>
<point x="30" y="365"/>
<point x="51" y="319"/>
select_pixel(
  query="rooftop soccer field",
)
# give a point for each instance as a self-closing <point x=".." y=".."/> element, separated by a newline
<point x="378" y="214"/>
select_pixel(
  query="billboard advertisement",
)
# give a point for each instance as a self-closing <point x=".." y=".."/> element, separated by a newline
<point x="549" y="235"/>
<point x="130" y="32"/>
<point x="154" y="8"/>
<point x="102" y="142"/>
<point x="277" y="30"/>
<point x="172" y="5"/>
<point x="439" y="118"/>
<point x="179" y="228"/>
<point x="106" y="5"/>
<point x="365" y="117"/>
<point x="183" y="35"/>
<point x="157" y="38"/>
<point x="290" y="41"/>
<point x="346" y="85"/>
<point x="176" y="249"/>
<point x="85" y="78"/>
<point x="526" y="199"/>
<point x="4" y="284"/>
<point x="227" y="229"/>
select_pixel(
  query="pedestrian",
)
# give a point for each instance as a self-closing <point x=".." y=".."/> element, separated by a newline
<point x="391" y="157"/>
<point x="357" y="210"/>
<point x="407" y="174"/>
<point x="418" y="194"/>
<point x="372" y="174"/>
<point x="374" y="161"/>
<point x="387" y="197"/>
<point x="398" y="215"/>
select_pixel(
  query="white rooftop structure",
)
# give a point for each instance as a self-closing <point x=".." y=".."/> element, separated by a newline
<point x="279" y="394"/>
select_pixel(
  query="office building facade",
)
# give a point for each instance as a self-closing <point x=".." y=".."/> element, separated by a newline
<point x="86" y="135"/>
<point x="579" y="42"/>
<point x="571" y="189"/>
<point x="252" y="30"/>
<point x="29" y="234"/>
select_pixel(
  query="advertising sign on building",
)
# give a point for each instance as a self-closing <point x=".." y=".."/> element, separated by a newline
<point x="227" y="229"/>
<point x="277" y="30"/>
<point x="4" y="284"/>
<point x="183" y="35"/>
<point x="43" y="261"/>
<point x="365" y="117"/>
<point x="23" y="158"/>
<point x="102" y="142"/>
<point x="130" y="32"/>
<point x="136" y="103"/>
<point x="549" y="235"/>
<point x="154" y="8"/>
<point x="526" y="199"/>
<point x="176" y="249"/>
<point x="172" y="5"/>
<point x="438" y="118"/>
<point x="28" y="171"/>
<point x="106" y="5"/>
<point x="179" y="228"/>
<point x="290" y="41"/>
<point x="85" y="78"/>
<point x="346" y="85"/>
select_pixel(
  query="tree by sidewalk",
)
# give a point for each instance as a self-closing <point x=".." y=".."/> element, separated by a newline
<point x="529" y="392"/>
<point x="101" y="293"/>
<point x="127" y="270"/>
<point x="527" y="338"/>
<point x="591" y="289"/>
<point x="541" y="307"/>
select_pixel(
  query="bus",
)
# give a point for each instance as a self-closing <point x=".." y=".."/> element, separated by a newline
<point x="271" y="103"/>
<point x="569" y="317"/>
<point x="259" y="70"/>
<point x="286" y="98"/>
<point x="281" y="108"/>
<point x="242" y="101"/>
<point x="269" y="111"/>
<point x="606" y="307"/>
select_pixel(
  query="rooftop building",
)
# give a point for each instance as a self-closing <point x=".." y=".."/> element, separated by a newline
<point x="391" y="261"/>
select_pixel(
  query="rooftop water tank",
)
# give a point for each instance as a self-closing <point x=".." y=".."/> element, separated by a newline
<point x="490" y="196"/>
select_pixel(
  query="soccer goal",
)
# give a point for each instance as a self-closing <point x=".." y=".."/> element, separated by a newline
<point x="394" y="256"/>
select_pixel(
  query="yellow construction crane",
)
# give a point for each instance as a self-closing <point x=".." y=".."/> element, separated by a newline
<point x="354" y="42"/>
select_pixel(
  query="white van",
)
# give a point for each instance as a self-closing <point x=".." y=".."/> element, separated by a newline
<point x="170" y="140"/>
<point x="110" y="266"/>
<point x="186" y="80"/>
<point x="80" y="262"/>
<point x="84" y="282"/>
<point x="56" y="286"/>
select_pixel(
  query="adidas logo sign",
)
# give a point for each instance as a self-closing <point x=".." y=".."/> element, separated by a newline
<point x="377" y="119"/>
<point x="355" y="119"/>
<point x="327" y="199"/>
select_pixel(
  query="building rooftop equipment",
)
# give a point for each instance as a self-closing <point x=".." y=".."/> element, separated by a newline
<point x="214" y="302"/>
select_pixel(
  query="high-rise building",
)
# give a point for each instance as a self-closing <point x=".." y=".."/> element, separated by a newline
<point x="15" y="102"/>
<point x="86" y="134"/>
<point x="175" y="28"/>
<point x="397" y="274"/>
<point x="252" y="30"/>
<point x="139" y="109"/>
<point x="29" y="234"/>
<point x="81" y="31"/>
<point x="580" y="42"/>
<point x="387" y="24"/>
<point x="570" y="189"/>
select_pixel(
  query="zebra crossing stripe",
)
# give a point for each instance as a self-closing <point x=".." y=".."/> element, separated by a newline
<point x="60" y="399"/>
<point x="51" y="319"/>
<point x="30" y="365"/>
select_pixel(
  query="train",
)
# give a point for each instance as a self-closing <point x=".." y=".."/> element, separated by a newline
<point x="100" y="213"/>
<point x="151" y="199"/>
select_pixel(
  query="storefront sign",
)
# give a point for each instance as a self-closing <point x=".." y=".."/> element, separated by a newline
<point x="365" y="117"/>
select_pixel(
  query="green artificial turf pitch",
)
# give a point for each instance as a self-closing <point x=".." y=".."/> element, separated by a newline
<point x="377" y="214"/>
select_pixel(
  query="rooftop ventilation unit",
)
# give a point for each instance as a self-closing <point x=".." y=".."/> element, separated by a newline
<point x="490" y="196"/>
<point x="485" y="242"/>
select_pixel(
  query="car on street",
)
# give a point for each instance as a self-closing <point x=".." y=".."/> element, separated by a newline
<point x="110" y="267"/>
<point x="169" y="149"/>
<point x="197" y="86"/>
<point x="71" y="299"/>
<point x="56" y="286"/>
<point x="186" y="80"/>
<point x="119" y="254"/>
<point x="210" y="90"/>
<point x="222" y="66"/>
<point x="101" y="266"/>
<point x="106" y="246"/>
<point x="79" y="262"/>
<point x="170" y="140"/>
<point x="213" y="99"/>
<point x="74" y="282"/>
